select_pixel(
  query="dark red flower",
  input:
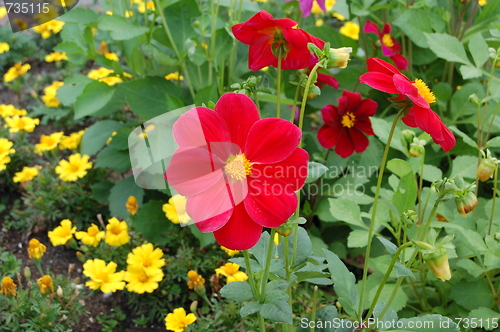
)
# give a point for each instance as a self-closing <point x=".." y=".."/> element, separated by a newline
<point x="414" y="96"/>
<point x="346" y="125"/>
<point x="239" y="172"/>
<point x="328" y="80"/>
<point x="390" y="47"/>
<point x="264" y="34"/>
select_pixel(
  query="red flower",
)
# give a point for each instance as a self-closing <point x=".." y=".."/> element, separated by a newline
<point x="239" y="172"/>
<point x="390" y="47"/>
<point x="414" y="96"/>
<point x="328" y="80"/>
<point x="265" y="34"/>
<point x="344" y="125"/>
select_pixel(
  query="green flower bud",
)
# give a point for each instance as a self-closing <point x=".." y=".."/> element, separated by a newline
<point x="486" y="169"/>
<point x="406" y="137"/>
<point x="285" y="229"/>
<point x="338" y="57"/>
<point x="439" y="265"/>
<point x="466" y="204"/>
<point x="27" y="272"/>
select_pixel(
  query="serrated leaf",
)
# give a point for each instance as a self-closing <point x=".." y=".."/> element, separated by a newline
<point x="494" y="142"/>
<point x="471" y="295"/>
<point x="486" y="318"/>
<point x="250" y="308"/>
<point x="357" y="239"/>
<point x="415" y="23"/>
<point x="479" y="50"/>
<point x="72" y="88"/>
<point x="389" y="246"/>
<point x="114" y="159"/>
<point x="276" y="296"/>
<point x="465" y="137"/>
<point x="403" y="271"/>
<point x="465" y="166"/>
<point x="94" y="97"/>
<point x="473" y="268"/>
<point x="238" y="291"/>
<point x="279" y="284"/>
<point x="346" y="210"/>
<point x="277" y="312"/>
<point x="315" y="171"/>
<point x="447" y="47"/>
<point x="469" y="72"/>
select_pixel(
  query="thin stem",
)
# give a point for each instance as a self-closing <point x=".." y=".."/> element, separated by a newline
<point x="374" y="213"/>
<point x="256" y="97"/>
<point x="495" y="179"/>
<point x="313" y="311"/>
<point x="304" y="98"/>
<point x="288" y="272"/>
<point x="421" y="183"/>
<point x="263" y="284"/>
<point x="391" y="298"/>
<point x="251" y="280"/>
<point x="292" y="116"/>
<point x="278" y="88"/>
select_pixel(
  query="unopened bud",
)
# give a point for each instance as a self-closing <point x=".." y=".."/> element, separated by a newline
<point x="60" y="292"/>
<point x="27" y="272"/>
<point x="406" y="137"/>
<point x="473" y="98"/>
<point x="194" y="306"/>
<point x="339" y="57"/>
<point x="285" y="229"/>
<point x="439" y="265"/>
<point x="466" y="204"/>
<point x="81" y="257"/>
<point x="486" y="169"/>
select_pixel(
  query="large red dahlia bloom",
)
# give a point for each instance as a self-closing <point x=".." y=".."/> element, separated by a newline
<point x="346" y="125"/>
<point x="239" y="172"/>
<point x="390" y="47"/>
<point x="414" y="96"/>
<point x="265" y="34"/>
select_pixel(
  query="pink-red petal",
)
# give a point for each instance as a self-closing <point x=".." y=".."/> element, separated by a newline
<point x="345" y="145"/>
<point x="241" y="232"/>
<point x="328" y="136"/>
<point x="381" y="66"/>
<point x="371" y="27"/>
<point x="379" y="81"/>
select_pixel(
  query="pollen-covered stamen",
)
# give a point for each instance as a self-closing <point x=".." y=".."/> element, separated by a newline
<point x="238" y="167"/>
<point x="424" y="91"/>
<point x="387" y="40"/>
<point x="348" y="120"/>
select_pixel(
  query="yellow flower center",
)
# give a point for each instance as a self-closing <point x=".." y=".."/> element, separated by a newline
<point x="146" y="262"/>
<point x="424" y="91"/>
<point x="92" y="232"/>
<point x="348" y="120"/>
<point x="387" y="40"/>
<point x="115" y="229"/>
<point x="142" y="277"/>
<point x="73" y="168"/>
<point x="238" y="167"/>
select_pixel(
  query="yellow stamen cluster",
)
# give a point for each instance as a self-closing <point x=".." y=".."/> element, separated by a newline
<point x="387" y="40"/>
<point x="238" y="167"/>
<point x="424" y="91"/>
<point x="348" y="120"/>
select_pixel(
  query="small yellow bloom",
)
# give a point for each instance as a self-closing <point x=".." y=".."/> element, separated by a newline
<point x="132" y="205"/>
<point x="4" y="47"/>
<point x="17" y="123"/>
<point x="142" y="280"/>
<point x="27" y="174"/>
<point x="129" y="13"/>
<point x="178" y="320"/>
<point x="72" y="141"/>
<point x="75" y="168"/>
<point x="6" y="147"/>
<point x="482" y="3"/>
<point x="146" y="256"/>
<point x="195" y="281"/>
<point x="3" y="11"/>
<point x="103" y="276"/>
<point x="91" y="237"/>
<point x="4" y="160"/>
<point x="36" y="249"/>
<point x="338" y="16"/>
<point x="229" y="251"/>
<point x="50" y="92"/>
<point x="10" y="110"/>
<point x="116" y="232"/>
<point x="175" y="210"/>
<point x="316" y="9"/>
<point x="231" y="272"/>
<point x="142" y="6"/>
<point x="108" y="12"/>
<point x="21" y="24"/>
<point x="319" y="22"/>
<point x="350" y="29"/>
<point x="8" y="286"/>
<point x="49" y="28"/>
<point x="112" y="80"/>
<point x="47" y="17"/>
<point x="45" y="283"/>
<point x="48" y="142"/>
<point x="111" y="56"/>
<point x="56" y="57"/>
<point x="98" y="74"/>
<point x="174" y="76"/>
<point x="63" y="233"/>
<point x="16" y="71"/>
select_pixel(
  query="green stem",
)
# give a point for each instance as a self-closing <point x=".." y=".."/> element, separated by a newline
<point x="278" y="88"/>
<point x="374" y="213"/>
<point x="421" y="183"/>
<point x="251" y="280"/>
<point x="292" y="116"/>
<point x="304" y="99"/>
<point x="391" y="298"/>
<point x="256" y="97"/>
<point x="313" y="311"/>
<point x="495" y="179"/>
<point x="288" y="271"/>
<point x="270" y="250"/>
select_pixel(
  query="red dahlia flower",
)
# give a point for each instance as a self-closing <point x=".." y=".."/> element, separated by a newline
<point x="390" y="47"/>
<point x="265" y="35"/>
<point x="346" y="124"/>
<point x="239" y="172"/>
<point x="414" y="96"/>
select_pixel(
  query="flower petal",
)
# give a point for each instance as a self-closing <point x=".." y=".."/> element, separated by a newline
<point x="328" y="80"/>
<point x="400" y="61"/>
<point x="381" y="66"/>
<point x="260" y="53"/>
<point x="328" y="136"/>
<point x="271" y="140"/>
<point x="345" y="145"/>
<point x="306" y="6"/>
<point x="405" y="86"/>
<point x="240" y="232"/>
<point x="360" y="141"/>
<point x="270" y="201"/>
<point x="448" y="141"/>
<point x="330" y="115"/>
<point x="371" y="27"/>
<point x="367" y="107"/>
<point x="429" y="122"/>
<point x="379" y="81"/>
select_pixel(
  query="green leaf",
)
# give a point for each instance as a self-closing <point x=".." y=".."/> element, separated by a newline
<point x="465" y="137"/>
<point x="485" y="318"/>
<point x="479" y="50"/>
<point x="442" y="91"/>
<point x="473" y="268"/>
<point x="403" y="271"/>
<point x="120" y="28"/>
<point x="488" y="15"/>
<point x="469" y="72"/>
<point x="389" y="246"/>
<point x="460" y="104"/>
<point x="315" y="171"/>
<point x="179" y="16"/>
<point x="472" y="240"/>
<point x="100" y="191"/>
<point x="447" y="47"/>
<point x="415" y="23"/>
<point x="399" y="167"/>
<point x="276" y="296"/>
<point x="74" y="52"/>
<point x="223" y="43"/>
<point x="465" y="166"/>
<point x="148" y="96"/>
<point x="344" y="283"/>
<point x="160" y="57"/>
<point x="205" y="239"/>
<point x="494" y="142"/>
<point x="432" y="173"/>
<point x="120" y="140"/>
<point x="93" y="98"/>
<point x="72" y="88"/>
<point x="277" y="312"/>
<point x="405" y="198"/>
<point x="80" y="15"/>
<point x="238" y="291"/>
<point x="195" y="51"/>
<point x="382" y="128"/>
<point x="250" y="308"/>
<point x="346" y="210"/>
<point x="399" y="301"/>
<point x="151" y="222"/>
<point x="471" y="295"/>
<point x="357" y="239"/>
<point x="115" y="159"/>
<point x="95" y="136"/>
<point x="119" y="195"/>
<point x="279" y="284"/>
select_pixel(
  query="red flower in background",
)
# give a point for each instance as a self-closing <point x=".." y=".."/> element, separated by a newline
<point x="239" y="172"/>
<point x="347" y="124"/>
<point x="390" y="47"/>
<point x="265" y="34"/>
<point x="414" y="96"/>
<point x="326" y="79"/>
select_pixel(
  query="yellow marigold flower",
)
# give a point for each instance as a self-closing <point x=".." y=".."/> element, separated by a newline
<point x="16" y="71"/>
<point x="112" y="80"/>
<point x="63" y="233"/>
<point x="98" y="74"/>
<point x="338" y="16"/>
<point x="10" y="110"/>
<point x="91" y="237"/>
<point x="231" y="272"/>
<point x="108" y="12"/>
<point x="26" y="174"/>
<point x="4" y="160"/>
<point x="229" y="251"/>
<point x="140" y="280"/>
<point x="36" y="249"/>
<point x="316" y="9"/>
<point x="132" y="205"/>
<point x="45" y="283"/>
<point x="143" y="6"/>
<point x="4" y="47"/>
<point x="111" y="56"/>
<point x="103" y="276"/>
<point x="350" y="29"/>
<point x="72" y="141"/>
<point x="48" y="142"/>
<point x="129" y="13"/>
<point x="49" y="28"/>
<point x="8" y="286"/>
<point x="17" y="123"/>
<point x="146" y="256"/>
<point x="482" y="3"/>
<point x="319" y="22"/>
<point x="174" y="76"/>
<point x="74" y="169"/>
<point x="116" y="232"/>
<point x="6" y="147"/>
<point x="50" y="92"/>
<point x="175" y="210"/>
<point x="178" y="320"/>
<point x="195" y="280"/>
<point x="56" y="56"/>
<point x="3" y="11"/>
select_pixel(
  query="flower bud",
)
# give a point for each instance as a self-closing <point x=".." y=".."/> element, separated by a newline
<point x="339" y="57"/>
<point x="285" y="229"/>
<point x="417" y="147"/>
<point x="439" y="265"/>
<point x="81" y="257"/>
<point x="194" y="306"/>
<point x="27" y="272"/>
<point x="497" y="236"/>
<point x="406" y="137"/>
<point x="466" y="204"/>
<point x="60" y="292"/>
<point x="486" y="169"/>
<point x="409" y="218"/>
